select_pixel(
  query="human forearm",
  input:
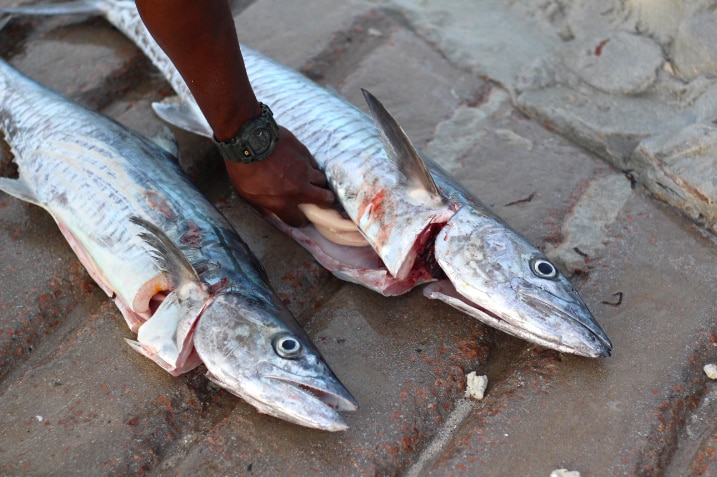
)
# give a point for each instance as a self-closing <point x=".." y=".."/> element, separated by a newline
<point x="208" y="59"/>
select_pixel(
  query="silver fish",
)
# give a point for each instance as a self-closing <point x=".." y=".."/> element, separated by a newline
<point x="179" y="273"/>
<point x="420" y="224"/>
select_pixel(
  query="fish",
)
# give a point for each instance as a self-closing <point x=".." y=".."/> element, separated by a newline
<point x="421" y="225"/>
<point x="176" y="269"/>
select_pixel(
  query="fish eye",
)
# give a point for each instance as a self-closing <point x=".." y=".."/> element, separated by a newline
<point x="543" y="268"/>
<point x="287" y="346"/>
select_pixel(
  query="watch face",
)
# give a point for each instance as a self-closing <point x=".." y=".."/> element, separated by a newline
<point x="259" y="140"/>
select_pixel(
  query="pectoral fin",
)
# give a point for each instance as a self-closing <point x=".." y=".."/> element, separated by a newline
<point x="166" y="337"/>
<point x="19" y="189"/>
<point x="168" y="257"/>
<point x="166" y="140"/>
<point x="183" y="116"/>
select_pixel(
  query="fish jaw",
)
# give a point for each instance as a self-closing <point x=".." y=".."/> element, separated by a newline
<point x="498" y="277"/>
<point x="570" y="322"/>
<point x="257" y="352"/>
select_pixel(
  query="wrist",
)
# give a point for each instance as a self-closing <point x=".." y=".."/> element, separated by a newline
<point x="255" y="140"/>
<point x="235" y="118"/>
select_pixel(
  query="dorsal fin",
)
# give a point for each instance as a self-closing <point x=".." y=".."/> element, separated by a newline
<point x="399" y="148"/>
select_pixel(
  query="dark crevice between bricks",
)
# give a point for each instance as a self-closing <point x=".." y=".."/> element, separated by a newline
<point x="350" y="46"/>
<point x="675" y="405"/>
<point x="14" y="35"/>
<point x="8" y="168"/>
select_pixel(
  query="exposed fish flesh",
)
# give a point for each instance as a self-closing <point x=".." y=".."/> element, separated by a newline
<point x="179" y="273"/>
<point x="420" y="224"/>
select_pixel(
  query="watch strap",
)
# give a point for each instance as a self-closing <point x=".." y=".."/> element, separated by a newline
<point x="242" y="149"/>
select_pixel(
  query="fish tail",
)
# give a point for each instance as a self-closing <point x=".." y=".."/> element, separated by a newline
<point x="87" y="7"/>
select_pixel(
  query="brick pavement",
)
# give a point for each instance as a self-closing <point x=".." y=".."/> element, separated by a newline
<point x="76" y="400"/>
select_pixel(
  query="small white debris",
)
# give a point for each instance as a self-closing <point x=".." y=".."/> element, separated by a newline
<point x="475" y="385"/>
<point x="711" y="370"/>
<point x="374" y="32"/>
<point x="564" y="473"/>
<point x="39" y="418"/>
<point x="668" y="68"/>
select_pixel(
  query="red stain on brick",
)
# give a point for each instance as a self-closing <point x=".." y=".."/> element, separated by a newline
<point x="600" y="46"/>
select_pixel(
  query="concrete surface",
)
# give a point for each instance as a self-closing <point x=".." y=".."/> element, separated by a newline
<point x="603" y="159"/>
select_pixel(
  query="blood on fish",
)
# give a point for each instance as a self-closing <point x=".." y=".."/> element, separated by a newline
<point x="425" y="251"/>
<point x="193" y="237"/>
<point x="160" y="204"/>
<point x="156" y="300"/>
<point x="374" y="206"/>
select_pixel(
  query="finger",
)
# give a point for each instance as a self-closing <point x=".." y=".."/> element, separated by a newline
<point x="293" y="216"/>
<point x="317" y="178"/>
<point x="312" y="160"/>
<point x="319" y="196"/>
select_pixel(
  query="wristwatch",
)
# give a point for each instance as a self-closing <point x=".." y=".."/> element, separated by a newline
<point x="254" y="141"/>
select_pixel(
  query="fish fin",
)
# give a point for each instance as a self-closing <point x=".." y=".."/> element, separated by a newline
<point x="18" y="188"/>
<point x="167" y="255"/>
<point x="76" y="7"/>
<point x="168" y="333"/>
<point x="183" y="116"/>
<point x="192" y="360"/>
<point x="399" y="147"/>
<point x="4" y="20"/>
<point x="166" y="140"/>
<point x="166" y="337"/>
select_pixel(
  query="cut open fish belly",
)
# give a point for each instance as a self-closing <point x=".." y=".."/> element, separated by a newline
<point x="332" y="225"/>
<point x="360" y="265"/>
<point x="147" y="298"/>
<point x="181" y="276"/>
<point x="402" y="203"/>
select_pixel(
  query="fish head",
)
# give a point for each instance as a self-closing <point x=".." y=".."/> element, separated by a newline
<point x="257" y="351"/>
<point x="505" y="281"/>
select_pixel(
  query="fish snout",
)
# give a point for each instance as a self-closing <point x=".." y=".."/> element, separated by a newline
<point x="324" y="387"/>
<point x="565" y="318"/>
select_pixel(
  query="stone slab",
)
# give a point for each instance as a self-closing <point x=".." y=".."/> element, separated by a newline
<point x="413" y="81"/>
<point x="272" y="27"/>
<point x="86" y="61"/>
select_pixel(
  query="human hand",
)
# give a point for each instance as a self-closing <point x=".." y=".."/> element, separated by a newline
<point x="279" y="183"/>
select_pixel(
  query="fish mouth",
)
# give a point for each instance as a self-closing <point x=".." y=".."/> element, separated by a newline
<point x="306" y="402"/>
<point x="572" y="328"/>
<point x="542" y="322"/>
<point x="312" y="402"/>
<point x="331" y="394"/>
